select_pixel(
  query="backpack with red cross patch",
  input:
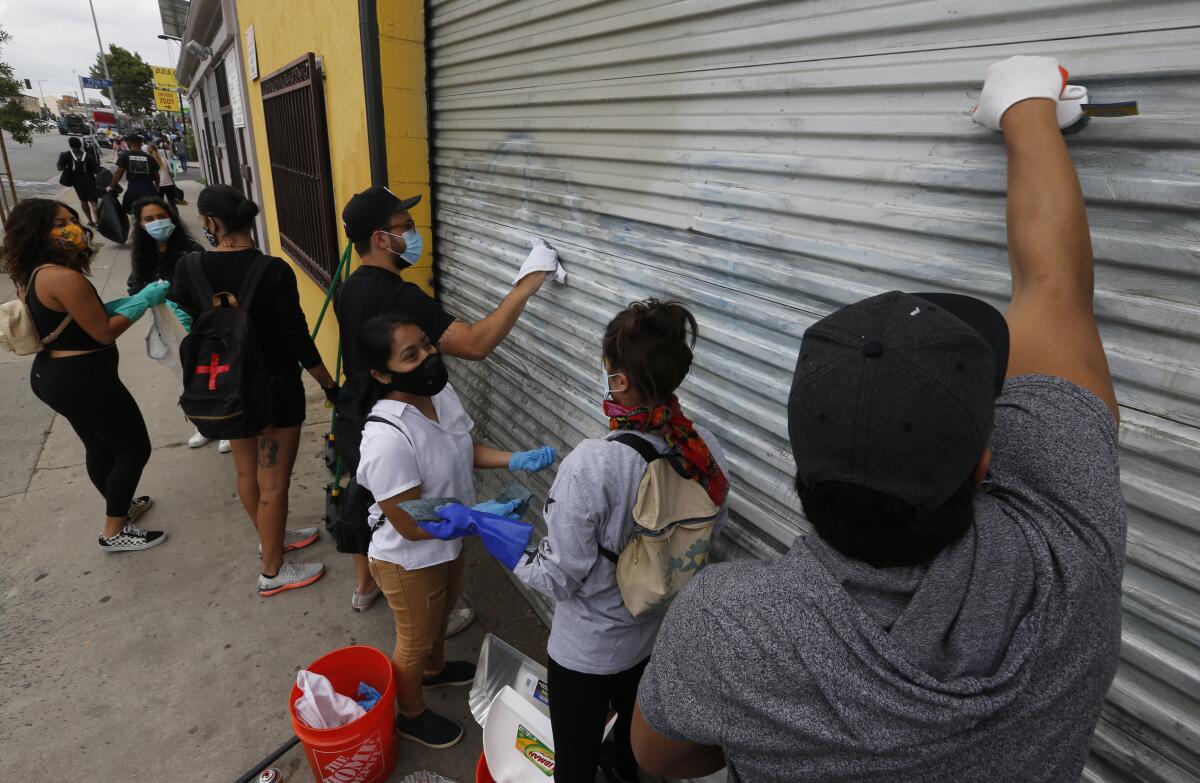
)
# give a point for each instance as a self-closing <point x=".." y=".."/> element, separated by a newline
<point x="226" y="382"/>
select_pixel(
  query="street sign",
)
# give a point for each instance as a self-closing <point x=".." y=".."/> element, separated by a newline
<point x="95" y="84"/>
<point x="166" y="100"/>
<point x="164" y="78"/>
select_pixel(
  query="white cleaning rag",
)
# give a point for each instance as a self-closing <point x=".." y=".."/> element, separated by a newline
<point x="164" y="337"/>
<point x="321" y="707"/>
<point x="543" y="258"/>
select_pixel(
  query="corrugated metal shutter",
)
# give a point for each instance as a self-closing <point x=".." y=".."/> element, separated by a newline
<point x="769" y="162"/>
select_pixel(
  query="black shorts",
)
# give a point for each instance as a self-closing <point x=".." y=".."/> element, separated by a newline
<point x="85" y="189"/>
<point x="288" y="403"/>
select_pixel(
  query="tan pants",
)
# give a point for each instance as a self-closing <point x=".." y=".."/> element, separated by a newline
<point x="421" y="601"/>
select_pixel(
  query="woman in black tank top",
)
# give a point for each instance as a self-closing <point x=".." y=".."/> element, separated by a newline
<point x="47" y="253"/>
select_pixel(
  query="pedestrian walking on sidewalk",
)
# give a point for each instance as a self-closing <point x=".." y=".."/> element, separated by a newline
<point x="166" y="183"/>
<point x="79" y="166"/>
<point x="417" y="444"/>
<point x="598" y="649"/>
<point x="47" y="253"/>
<point x="140" y="168"/>
<point x="264" y="462"/>
<point x="388" y="242"/>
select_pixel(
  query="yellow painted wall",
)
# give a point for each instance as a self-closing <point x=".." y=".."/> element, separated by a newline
<point x="402" y="70"/>
<point x="285" y="30"/>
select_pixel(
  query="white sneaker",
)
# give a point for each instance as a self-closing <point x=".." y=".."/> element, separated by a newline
<point x="361" y="603"/>
<point x="291" y="576"/>
<point x="297" y="539"/>
<point x="459" y="620"/>
<point x="224" y="447"/>
<point x="197" y="440"/>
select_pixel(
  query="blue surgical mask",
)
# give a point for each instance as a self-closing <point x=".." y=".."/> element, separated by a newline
<point x="160" y="229"/>
<point x="414" y="244"/>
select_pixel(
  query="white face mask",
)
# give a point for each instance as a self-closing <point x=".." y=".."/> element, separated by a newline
<point x="605" y="376"/>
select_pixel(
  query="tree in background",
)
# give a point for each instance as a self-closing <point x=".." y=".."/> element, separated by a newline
<point x="132" y="78"/>
<point x="14" y="117"/>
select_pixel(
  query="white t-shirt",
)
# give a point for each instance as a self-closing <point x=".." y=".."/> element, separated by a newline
<point x="438" y="456"/>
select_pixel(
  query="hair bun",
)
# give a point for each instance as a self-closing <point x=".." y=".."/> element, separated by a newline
<point x="247" y="209"/>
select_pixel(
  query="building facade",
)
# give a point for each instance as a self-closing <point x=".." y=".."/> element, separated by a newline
<point x="765" y="162"/>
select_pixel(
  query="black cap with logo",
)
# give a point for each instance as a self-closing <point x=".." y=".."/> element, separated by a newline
<point x="896" y="393"/>
<point x="370" y="209"/>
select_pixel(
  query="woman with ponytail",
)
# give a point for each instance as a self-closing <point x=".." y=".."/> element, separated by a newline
<point x="417" y="444"/>
<point x="598" y="650"/>
<point x="264" y="462"/>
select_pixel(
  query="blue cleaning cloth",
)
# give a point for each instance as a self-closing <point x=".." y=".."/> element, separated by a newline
<point x="367" y="696"/>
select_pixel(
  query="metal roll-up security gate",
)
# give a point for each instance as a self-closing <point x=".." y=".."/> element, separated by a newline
<point x="767" y="163"/>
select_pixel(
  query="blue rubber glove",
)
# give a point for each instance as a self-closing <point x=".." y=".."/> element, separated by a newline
<point x="504" y="537"/>
<point x="533" y="461"/>
<point x="455" y="522"/>
<point x="184" y="318"/>
<point x="134" y="307"/>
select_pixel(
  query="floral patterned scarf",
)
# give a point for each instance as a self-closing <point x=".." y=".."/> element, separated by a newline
<point x="668" y="422"/>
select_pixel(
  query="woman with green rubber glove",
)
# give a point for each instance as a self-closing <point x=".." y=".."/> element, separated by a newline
<point x="417" y="444"/>
<point x="47" y="253"/>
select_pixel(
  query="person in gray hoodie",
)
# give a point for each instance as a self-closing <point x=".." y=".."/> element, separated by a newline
<point x="597" y="648"/>
<point x="956" y="616"/>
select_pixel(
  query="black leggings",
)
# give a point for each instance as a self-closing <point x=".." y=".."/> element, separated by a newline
<point x="578" y="711"/>
<point x="87" y="391"/>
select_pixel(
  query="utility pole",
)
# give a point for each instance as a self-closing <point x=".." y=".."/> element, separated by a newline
<point x="43" y="94"/>
<point x="112" y="94"/>
<point x="8" y="168"/>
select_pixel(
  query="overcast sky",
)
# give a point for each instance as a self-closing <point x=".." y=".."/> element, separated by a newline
<point x="54" y="39"/>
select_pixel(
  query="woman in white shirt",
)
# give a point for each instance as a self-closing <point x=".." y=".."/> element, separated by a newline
<point x="417" y="443"/>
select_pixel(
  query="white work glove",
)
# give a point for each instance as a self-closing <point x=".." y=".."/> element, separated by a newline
<point x="542" y="258"/>
<point x="1020" y="78"/>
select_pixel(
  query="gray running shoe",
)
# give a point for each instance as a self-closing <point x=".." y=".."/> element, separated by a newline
<point x="290" y="577"/>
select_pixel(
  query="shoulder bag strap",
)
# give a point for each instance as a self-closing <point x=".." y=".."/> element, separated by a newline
<point x="25" y="300"/>
<point x="394" y="425"/>
<point x="648" y="453"/>
<point x="258" y="268"/>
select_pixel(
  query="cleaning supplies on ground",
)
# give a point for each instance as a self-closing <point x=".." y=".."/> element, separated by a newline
<point x="320" y="706"/>
<point x="425" y="776"/>
<point x="542" y="258"/>
<point x="368" y="697"/>
<point x="509" y="698"/>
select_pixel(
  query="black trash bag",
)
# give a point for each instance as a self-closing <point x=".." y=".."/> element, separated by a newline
<point x="111" y="220"/>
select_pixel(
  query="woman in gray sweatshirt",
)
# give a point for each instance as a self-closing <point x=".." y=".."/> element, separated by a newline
<point x="598" y="650"/>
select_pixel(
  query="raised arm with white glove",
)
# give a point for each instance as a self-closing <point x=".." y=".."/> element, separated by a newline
<point x="1020" y="78"/>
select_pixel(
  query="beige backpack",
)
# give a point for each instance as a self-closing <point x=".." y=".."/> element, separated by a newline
<point x="673" y="525"/>
<point x="18" y="333"/>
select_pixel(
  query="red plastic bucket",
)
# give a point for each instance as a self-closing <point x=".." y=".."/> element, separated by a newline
<point x="364" y="750"/>
<point x="482" y="773"/>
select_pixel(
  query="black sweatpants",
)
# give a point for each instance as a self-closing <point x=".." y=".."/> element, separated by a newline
<point x="88" y="393"/>
<point x="579" y="705"/>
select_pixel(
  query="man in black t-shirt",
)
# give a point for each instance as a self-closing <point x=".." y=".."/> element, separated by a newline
<point x="140" y="168"/>
<point x="387" y="241"/>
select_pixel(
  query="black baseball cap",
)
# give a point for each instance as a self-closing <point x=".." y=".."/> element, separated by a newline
<point x="367" y="211"/>
<point x="896" y="393"/>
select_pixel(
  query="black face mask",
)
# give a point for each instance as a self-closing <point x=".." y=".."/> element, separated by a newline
<point x="429" y="378"/>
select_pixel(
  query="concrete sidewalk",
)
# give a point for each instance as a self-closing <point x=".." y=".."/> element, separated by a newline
<point x="165" y="664"/>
